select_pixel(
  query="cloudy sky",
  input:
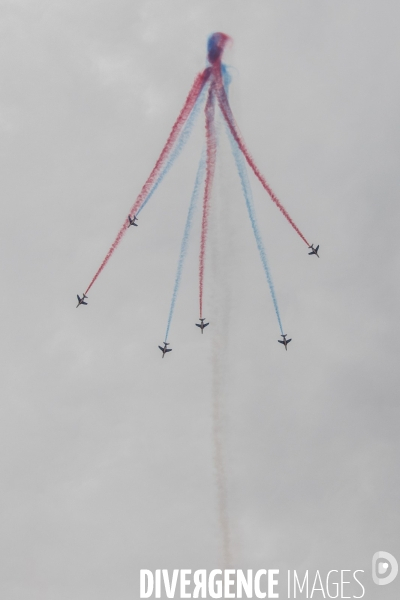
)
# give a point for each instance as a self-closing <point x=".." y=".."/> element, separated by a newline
<point x="229" y="449"/>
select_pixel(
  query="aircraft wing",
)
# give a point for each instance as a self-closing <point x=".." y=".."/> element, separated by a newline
<point x="280" y="341"/>
<point x="168" y="350"/>
<point x="206" y="324"/>
<point x="316" y="249"/>
<point x="161" y="348"/>
<point x="197" y="325"/>
<point x="287" y="341"/>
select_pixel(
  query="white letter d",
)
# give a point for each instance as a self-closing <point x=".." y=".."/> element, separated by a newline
<point x="145" y="574"/>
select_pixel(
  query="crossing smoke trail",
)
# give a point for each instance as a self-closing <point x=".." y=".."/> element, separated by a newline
<point x="211" y="153"/>
<point x="180" y="144"/>
<point x="244" y="180"/>
<point x="227" y="112"/>
<point x="185" y="239"/>
<point x="196" y="89"/>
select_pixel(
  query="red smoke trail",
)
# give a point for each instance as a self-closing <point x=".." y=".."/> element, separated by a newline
<point x="197" y="86"/>
<point x="210" y="164"/>
<point x="229" y="118"/>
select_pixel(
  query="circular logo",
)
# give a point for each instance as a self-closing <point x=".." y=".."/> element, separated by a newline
<point x="384" y="568"/>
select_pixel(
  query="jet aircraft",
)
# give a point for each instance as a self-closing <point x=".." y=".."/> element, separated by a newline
<point x="132" y="221"/>
<point x="284" y="341"/>
<point x="202" y="324"/>
<point x="313" y="250"/>
<point x="165" y="349"/>
<point x="81" y="300"/>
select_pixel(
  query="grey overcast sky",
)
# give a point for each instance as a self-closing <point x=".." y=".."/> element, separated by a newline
<point x="107" y="452"/>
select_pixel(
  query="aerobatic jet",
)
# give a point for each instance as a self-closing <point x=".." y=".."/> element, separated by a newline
<point x="313" y="250"/>
<point x="132" y="221"/>
<point x="81" y="300"/>
<point x="165" y="349"/>
<point x="284" y="341"/>
<point x="202" y="324"/>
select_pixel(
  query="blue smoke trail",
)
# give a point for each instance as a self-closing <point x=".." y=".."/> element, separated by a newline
<point x="244" y="180"/>
<point x="183" y="138"/>
<point x="185" y="239"/>
<point x="226" y="77"/>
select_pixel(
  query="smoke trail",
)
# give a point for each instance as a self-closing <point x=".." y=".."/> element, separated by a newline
<point x="180" y="144"/>
<point x="221" y="248"/>
<point x="244" y="180"/>
<point x="185" y="239"/>
<point x="215" y="47"/>
<point x="196" y="89"/>
<point x="227" y="112"/>
<point x="211" y="153"/>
